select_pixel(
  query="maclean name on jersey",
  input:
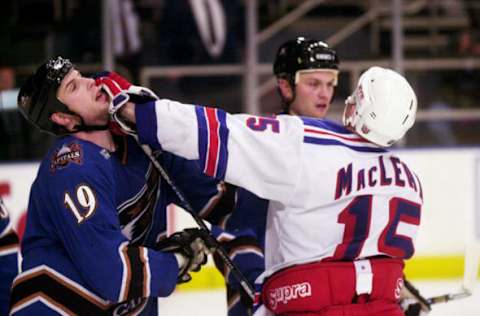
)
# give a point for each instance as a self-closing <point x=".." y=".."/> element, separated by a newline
<point x="387" y="171"/>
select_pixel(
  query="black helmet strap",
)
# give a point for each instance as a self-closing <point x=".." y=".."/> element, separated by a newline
<point x="82" y="127"/>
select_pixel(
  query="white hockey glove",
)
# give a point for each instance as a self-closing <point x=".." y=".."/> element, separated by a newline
<point x="412" y="302"/>
<point x="189" y="249"/>
<point x="121" y="91"/>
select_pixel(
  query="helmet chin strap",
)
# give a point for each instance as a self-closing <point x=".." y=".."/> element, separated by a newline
<point x="82" y="127"/>
<point x="91" y="128"/>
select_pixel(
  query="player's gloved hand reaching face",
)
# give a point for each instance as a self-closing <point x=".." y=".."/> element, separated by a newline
<point x="118" y="95"/>
<point x="189" y="249"/>
<point x="137" y="94"/>
<point x="121" y="91"/>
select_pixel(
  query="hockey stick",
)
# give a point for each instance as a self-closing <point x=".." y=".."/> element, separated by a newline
<point x="137" y="93"/>
<point x="448" y="297"/>
<point x="246" y="286"/>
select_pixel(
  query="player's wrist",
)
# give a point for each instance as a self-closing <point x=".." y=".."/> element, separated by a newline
<point x="182" y="261"/>
<point x="127" y="112"/>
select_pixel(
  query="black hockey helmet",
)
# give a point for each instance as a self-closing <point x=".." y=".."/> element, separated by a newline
<point x="38" y="100"/>
<point x="304" y="54"/>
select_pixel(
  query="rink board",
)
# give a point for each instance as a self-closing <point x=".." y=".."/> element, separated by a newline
<point x="451" y="189"/>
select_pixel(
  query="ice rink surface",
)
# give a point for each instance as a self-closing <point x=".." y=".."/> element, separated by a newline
<point x="212" y="303"/>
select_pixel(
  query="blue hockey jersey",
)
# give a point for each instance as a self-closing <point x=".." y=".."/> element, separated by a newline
<point x="93" y="218"/>
<point x="8" y="258"/>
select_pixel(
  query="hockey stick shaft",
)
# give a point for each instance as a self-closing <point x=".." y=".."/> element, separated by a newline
<point x="448" y="297"/>
<point x="472" y="262"/>
<point x="246" y="286"/>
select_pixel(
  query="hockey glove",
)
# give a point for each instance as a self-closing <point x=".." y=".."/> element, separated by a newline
<point x="412" y="302"/>
<point x="189" y="249"/>
<point x="118" y="98"/>
<point x="118" y="94"/>
<point x="121" y="91"/>
<point x="137" y="94"/>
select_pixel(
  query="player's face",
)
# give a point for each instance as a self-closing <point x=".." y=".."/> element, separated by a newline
<point x="314" y="92"/>
<point x="83" y="97"/>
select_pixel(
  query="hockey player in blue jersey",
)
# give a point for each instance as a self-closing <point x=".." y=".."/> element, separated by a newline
<point x="240" y="242"/>
<point x="8" y="257"/>
<point x="96" y="212"/>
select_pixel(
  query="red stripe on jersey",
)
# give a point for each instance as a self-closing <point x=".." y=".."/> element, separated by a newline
<point x="213" y="142"/>
<point x="352" y="139"/>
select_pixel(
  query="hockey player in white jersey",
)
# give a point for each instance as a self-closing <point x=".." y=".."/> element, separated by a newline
<point x="307" y="75"/>
<point x="344" y="210"/>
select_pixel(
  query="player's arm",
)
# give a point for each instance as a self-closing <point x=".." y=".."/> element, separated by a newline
<point x="245" y="252"/>
<point x="210" y="198"/>
<point x="8" y="258"/>
<point x="8" y="237"/>
<point x="262" y="154"/>
<point x="258" y="153"/>
<point x="90" y="231"/>
<point x="213" y="199"/>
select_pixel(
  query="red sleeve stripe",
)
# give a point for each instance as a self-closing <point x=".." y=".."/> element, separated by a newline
<point x="213" y="142"/>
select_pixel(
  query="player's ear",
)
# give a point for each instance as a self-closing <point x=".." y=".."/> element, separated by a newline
<point x="285" y="89"/>
<point x="66" y="120"/>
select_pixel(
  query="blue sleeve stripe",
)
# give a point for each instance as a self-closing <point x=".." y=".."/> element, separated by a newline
<point x="223" y="159"/>
<point x="333" y="142"/>
<point x="146" y="127"/>
<point x="325" y="124"/>
<point x="322" y="133"/>
<point x="202" y="135"/>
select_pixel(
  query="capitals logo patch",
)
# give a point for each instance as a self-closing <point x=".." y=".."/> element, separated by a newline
<point x="71" y="153"/>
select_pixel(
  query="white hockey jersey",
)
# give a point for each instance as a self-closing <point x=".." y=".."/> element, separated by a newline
<point x="334" y="195"/>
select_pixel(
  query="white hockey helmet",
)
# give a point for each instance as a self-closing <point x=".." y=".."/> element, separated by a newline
<point x="384" y="106"/>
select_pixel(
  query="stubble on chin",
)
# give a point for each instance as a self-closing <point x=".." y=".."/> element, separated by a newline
<point x="106" y="118"/>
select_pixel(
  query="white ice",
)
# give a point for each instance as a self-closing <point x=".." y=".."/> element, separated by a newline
<point x="212" y="303"/>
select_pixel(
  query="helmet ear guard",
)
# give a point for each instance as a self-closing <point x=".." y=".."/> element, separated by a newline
<point x="385" y="106"/>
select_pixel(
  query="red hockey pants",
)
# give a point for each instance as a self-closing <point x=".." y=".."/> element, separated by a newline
<point x="371" y="288"/>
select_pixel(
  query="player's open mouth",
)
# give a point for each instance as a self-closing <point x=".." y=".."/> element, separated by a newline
<point x="101" y="96"/>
